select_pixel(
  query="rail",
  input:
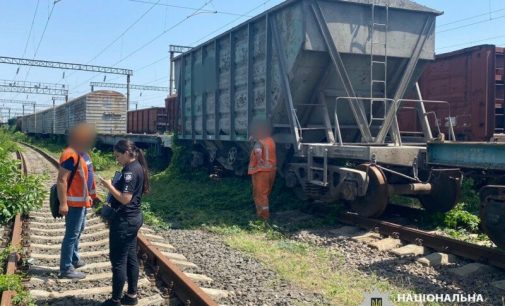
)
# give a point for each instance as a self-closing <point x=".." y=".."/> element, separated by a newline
<point x="15" y="242"/>
<point x="483" y="254"/>
<point x="178" y="283"/>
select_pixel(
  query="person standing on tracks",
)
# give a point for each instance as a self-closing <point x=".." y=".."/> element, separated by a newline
<point x="126" y="201"/>
<point x="76" y="198"/>
<point x="262" y="167"/>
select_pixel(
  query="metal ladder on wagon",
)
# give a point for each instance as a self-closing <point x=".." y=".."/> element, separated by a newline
<point x="378" y="62"/>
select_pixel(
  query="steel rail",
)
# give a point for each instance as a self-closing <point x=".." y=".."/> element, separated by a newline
<point x="178" y="283"/>
<point x="487" y="255"/>
<point x="14" y="257"/>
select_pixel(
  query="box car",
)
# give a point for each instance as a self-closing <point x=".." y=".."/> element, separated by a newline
<point x="472" y="81"/>
<point x="146" y="121"/>
<point x="105" y="109"/>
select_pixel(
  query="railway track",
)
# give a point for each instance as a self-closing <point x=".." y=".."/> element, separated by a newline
<point x="428" y="261"/>
<point x="166" y="277"/>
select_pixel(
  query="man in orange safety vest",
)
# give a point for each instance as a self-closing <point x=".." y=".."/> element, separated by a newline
<point x="76" y="195"/>
<point x="262" y="167"/>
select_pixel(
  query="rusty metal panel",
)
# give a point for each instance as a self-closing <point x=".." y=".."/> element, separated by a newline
<point x="466" y="79"/>
<point x="172" y="110"/>
<point x="144" y="121"/>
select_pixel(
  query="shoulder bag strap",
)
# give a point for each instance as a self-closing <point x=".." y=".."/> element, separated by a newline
<point x="74" y="171"/>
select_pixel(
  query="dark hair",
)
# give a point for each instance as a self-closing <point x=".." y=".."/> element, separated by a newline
<point x="124" y="146"/>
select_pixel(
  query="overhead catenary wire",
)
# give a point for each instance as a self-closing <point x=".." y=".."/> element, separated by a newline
<point x="158" y="36"/>
<point x="122" y="33"/>
<point x="487" y="39"/>
<point x="191" y="8"/>
<point x="231" y="22"/>
<point x="471" y="24"/>
<point x="207" y="35"/>
<point x="471" y="17"/>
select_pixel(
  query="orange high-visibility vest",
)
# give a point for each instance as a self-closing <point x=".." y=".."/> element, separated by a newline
<point x="268" y="161"/>
<point x="78" y="193"/>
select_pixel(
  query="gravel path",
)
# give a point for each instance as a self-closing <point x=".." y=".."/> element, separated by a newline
<point x="235" y="271"/>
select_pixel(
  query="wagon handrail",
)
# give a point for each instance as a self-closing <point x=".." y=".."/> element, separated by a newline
<point x="398" y="102"/>
<point x="450" y="127"/>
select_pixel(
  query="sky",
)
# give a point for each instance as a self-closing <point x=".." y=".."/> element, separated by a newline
<point x="136" y="34"/>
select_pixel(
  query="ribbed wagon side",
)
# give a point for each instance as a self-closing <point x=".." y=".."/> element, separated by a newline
<point x="146" y="121"/>
<point x="105" y="109"/>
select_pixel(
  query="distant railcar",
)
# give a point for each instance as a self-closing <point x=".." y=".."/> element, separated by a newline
<point x="472" y="81"/>
<point x="105" y="109"/>
<point x="172" y="110"/>
<point x="147" y="121"/>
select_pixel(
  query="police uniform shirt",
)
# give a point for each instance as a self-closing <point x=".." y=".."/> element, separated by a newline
<point x="131" y="181"/>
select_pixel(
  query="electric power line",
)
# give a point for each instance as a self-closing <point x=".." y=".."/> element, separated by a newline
<point x="153" y="39"/>
<point x="231" y="22"/>
<point x="122" y="34"/>
<point x="470" y="18"/>
<point x="191" y="8"/>
<point x="227" y="24"/>
<point x="471" y="42"/>
<point x="471" y="24"/>
<point x="31" y="28"/>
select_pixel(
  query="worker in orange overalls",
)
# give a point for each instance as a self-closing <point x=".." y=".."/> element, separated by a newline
<point x="262" y="167"/>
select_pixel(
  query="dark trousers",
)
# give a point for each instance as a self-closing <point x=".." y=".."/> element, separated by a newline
<point x="123" y="253"/>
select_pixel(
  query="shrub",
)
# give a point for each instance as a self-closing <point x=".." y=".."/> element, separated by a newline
<point x="18" y="193"/>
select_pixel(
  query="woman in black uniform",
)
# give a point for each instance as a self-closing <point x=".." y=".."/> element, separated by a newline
<point x="126" y="200"/>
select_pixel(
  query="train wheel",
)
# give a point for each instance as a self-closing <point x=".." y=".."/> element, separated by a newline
<point x="492" y="213"/>
<point x="376" y="199"/>
<point x="446" y="185"/>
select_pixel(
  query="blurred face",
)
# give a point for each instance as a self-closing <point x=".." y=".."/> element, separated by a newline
<point x="122" y="158"/>
<point x="82" y="137"/>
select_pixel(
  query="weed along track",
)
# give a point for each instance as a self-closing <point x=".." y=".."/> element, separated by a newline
<point x="166" y="276"/>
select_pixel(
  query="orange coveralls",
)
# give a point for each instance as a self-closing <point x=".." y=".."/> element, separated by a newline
<point x="262" y="168"/>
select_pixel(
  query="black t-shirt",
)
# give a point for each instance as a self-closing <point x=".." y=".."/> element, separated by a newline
<point x="131" y="181"/>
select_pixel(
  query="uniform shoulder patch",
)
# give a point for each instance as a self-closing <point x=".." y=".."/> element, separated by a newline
<point x="128" y="176"/>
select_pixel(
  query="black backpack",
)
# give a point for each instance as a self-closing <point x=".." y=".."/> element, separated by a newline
<point x="54" y="202"/>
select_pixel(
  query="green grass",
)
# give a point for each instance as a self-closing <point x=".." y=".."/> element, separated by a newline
<point x="315" y="269"/>
<point x="189" y="199"/>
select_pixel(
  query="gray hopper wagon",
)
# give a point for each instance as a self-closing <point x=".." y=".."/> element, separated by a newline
<point x="105" y="109"/>
<point x="330" y="76"/>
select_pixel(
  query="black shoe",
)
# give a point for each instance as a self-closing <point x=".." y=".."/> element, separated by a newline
<point x="110" y="302"/>
<point x="126" y="300"/>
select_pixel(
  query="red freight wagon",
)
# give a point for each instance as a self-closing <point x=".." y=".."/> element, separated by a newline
<point x="172" y="109"/>
<point x="146" y="121"/>
<point x="472" y="81"/>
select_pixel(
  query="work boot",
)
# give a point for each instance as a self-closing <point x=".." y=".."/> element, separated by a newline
<point x="127" y="300"/>
<point x="72" y="274"/>
<point x="79" y="264"/>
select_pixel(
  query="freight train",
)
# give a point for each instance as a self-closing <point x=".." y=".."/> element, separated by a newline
<point x="105" y="109"/>
<point x="330" y="77"/>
